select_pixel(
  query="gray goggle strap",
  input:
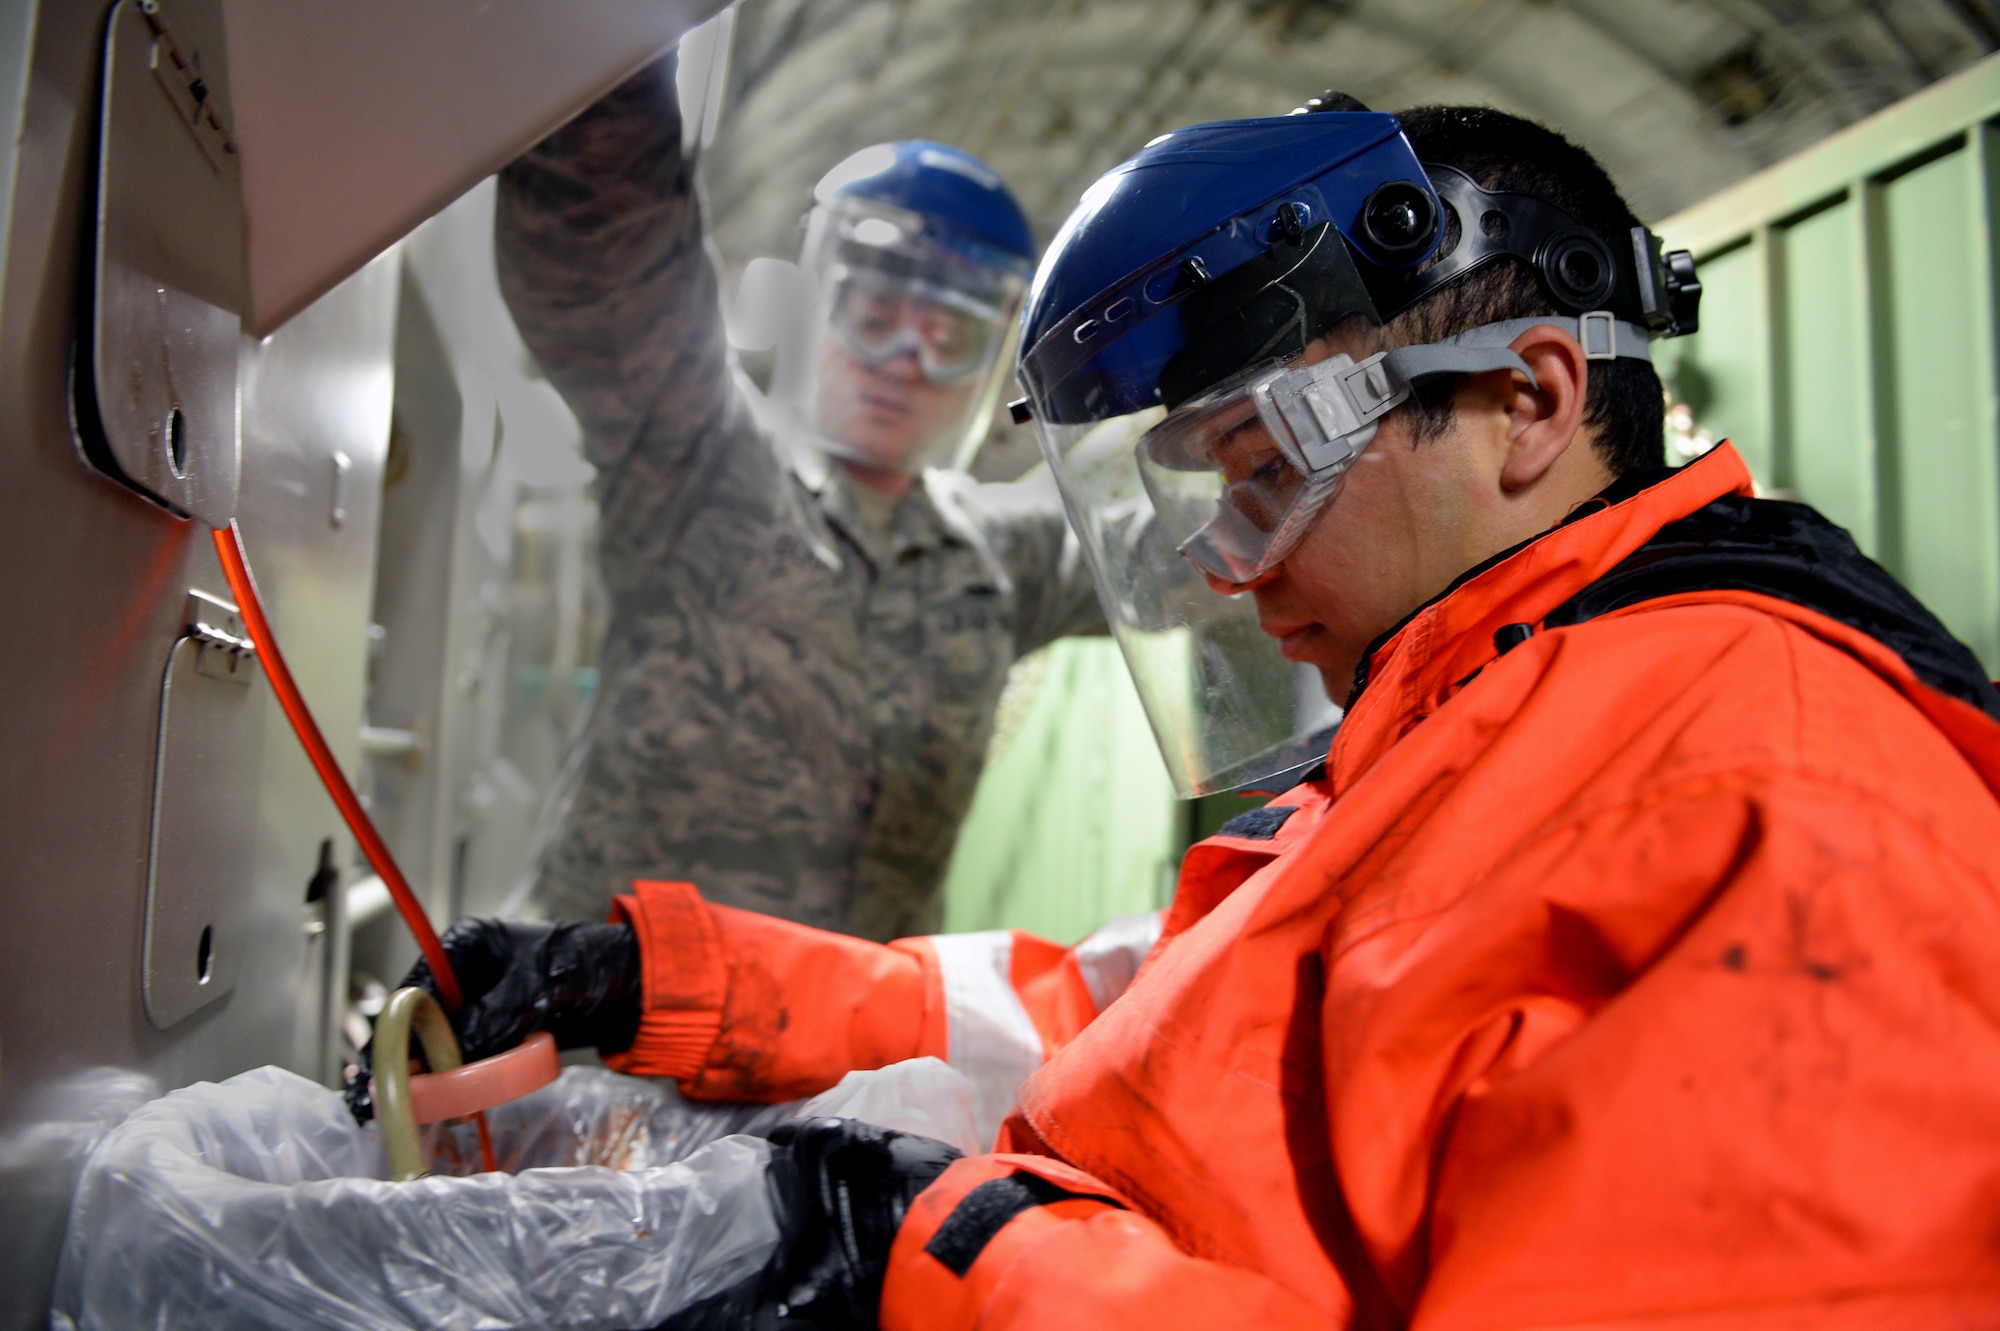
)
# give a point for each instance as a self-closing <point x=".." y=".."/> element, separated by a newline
<point x="1332" y="408"/>
<point x="1601" y="335"/>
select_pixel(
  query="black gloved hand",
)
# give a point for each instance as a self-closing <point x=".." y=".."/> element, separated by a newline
<point x="579" y="982"/>
<point x="840" y="1190"/>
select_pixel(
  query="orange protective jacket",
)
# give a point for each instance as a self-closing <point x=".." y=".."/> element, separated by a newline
<point x="1631" y="968"/>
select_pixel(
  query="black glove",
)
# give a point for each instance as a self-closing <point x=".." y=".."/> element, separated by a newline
<point x="840" y="1190"/>
<point x="579" y="982"/>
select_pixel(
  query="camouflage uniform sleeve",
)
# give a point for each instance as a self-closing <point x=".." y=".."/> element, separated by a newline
<point x="601" y="258"/>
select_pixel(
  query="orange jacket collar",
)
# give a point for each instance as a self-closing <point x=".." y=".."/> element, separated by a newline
<point x="1436" y="651"/>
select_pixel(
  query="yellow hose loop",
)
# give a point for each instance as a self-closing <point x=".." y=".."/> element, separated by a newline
<point x="405" y="1008"/>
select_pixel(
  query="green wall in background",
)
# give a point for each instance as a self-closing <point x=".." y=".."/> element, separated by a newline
<point x="1847" y="339"/>
<point x="1075" y="821"/>
<point x="1717" y="371"/>
<point x="1823" y="301"/>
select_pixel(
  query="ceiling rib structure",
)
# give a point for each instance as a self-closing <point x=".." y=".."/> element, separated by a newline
<point x="1678" y="98"/>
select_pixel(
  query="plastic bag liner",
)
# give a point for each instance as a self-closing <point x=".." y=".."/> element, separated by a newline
<point x="257" y="1203"/>
<point x="926" y="1096"/>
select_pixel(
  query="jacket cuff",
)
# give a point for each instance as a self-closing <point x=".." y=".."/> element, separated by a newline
<point x="683" y="977"/>
<point x="965" y="1231"/>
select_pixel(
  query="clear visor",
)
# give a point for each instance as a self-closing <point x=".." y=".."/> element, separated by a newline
<point x="895" y="364"/>
<point x="1227" y="708"/>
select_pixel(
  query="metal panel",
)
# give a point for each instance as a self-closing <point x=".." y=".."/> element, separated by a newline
<point x="361" y="119"/>
<point x="102" y="580"/>
<point x="1829" y="444"/>
<point x="315" y="434"/>
<point x="1942" y="497"/>
<point x="1719" y="371"/>
<point x="484" y="620"/>
<point x="427" y="611"/>
<point x="158" y="408"/>
<point x="1848" y="340"/>
<point x="204" y="817"/>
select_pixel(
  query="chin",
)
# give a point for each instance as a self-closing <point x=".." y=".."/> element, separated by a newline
<point x="867" y="452"/>
<point x="1337" y="682"/>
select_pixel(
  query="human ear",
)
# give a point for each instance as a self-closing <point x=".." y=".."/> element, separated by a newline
<point x="1545" y="416"/>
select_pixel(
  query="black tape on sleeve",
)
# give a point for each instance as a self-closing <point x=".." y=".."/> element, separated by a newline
<point x="1258" y="824"/>
<point x="986" y="1211"/>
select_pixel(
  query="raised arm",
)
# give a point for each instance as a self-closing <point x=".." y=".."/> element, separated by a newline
<point x="601" y="259"/>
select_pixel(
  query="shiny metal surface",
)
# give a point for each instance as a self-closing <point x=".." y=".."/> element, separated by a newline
<point x="214" y="622"/>
<point x="317" y="389"/>
<point x="360" y="120"/>
<point x="158" y="409"/>
<point x="81" y="723"/>
<point x="79" y="733"/>
<point x="204" y="822"/>
<point x="473" y="685"/>
<point x="428" y="669"/>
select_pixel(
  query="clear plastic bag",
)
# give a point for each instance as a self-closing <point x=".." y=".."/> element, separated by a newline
<point x="256" y="1203"/>
<point x="593" y="1116"/>
<point x="926" y="1096"/>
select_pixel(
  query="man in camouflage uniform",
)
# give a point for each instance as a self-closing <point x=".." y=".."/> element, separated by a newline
<point x="799" y="677"/>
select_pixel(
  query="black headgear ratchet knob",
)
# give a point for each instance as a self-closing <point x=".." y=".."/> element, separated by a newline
<point x="1330" y="100"/>
<point x="1398" y="222"/>
<point x="1683" y="294"/>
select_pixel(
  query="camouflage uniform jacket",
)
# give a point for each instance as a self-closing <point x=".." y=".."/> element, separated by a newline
<point x="793" y="707"/>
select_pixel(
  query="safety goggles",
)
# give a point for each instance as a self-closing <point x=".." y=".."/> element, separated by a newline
<point x="881" y="318"/>
<point x="1238" y="475"/>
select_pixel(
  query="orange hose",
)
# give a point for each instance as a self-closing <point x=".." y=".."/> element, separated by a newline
<point x="229" y="545"/>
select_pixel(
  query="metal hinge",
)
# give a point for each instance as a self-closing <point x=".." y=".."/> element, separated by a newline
<point x="216" y="626"/>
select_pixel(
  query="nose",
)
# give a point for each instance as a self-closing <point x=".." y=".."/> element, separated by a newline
<point x="905" y="368"/>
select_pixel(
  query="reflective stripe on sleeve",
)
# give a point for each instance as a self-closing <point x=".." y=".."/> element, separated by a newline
<point x="1110" y="957"/>
<point x="989" y="1036"/>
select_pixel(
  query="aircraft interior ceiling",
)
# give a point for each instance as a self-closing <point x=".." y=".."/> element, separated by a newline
<point x="1679" y="98"/>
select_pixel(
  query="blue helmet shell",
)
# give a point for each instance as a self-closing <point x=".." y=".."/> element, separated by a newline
<point x="1210" y="193"/>
<point x="964" y="202"/>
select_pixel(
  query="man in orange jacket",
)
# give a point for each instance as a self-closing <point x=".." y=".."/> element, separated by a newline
<point x="1632" y="956"/>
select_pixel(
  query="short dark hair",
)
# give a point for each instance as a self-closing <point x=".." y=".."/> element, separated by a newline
<point x="1624" y="403"/>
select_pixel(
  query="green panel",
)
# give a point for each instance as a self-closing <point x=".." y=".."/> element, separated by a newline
<point x="1942" y="530"/>
<point x="1075" y="820"/>
<point x="1719" y="372"/>
<point x="1207" y="814"/>
<point x="1829" y="452"/>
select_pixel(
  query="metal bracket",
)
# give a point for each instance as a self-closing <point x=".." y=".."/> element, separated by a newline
<point x="224" y="650"/>
<point x="156" y="407"/>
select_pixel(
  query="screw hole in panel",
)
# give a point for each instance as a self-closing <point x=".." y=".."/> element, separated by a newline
<point x="177" y="442"/>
